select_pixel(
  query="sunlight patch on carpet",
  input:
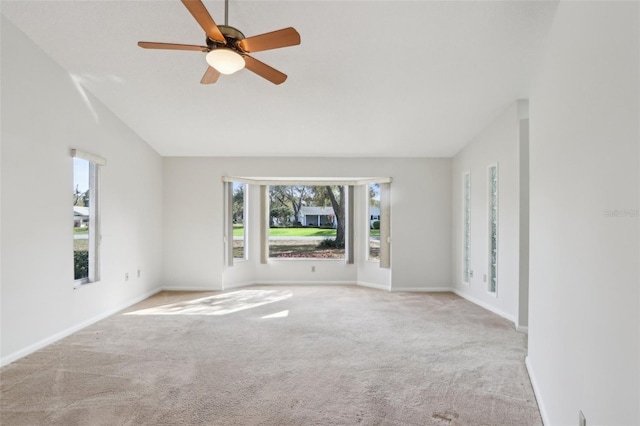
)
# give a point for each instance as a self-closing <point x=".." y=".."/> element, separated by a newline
<point x="220" y="304"/>
<point x="282" y="314"/>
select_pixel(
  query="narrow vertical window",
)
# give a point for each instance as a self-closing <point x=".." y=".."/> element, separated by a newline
<point x="238" y="216"/>
<point x="466" y="256"/>
<point x="374" y="221"/>
<point x="85" y="217"/>
<point x="493" y="229"/>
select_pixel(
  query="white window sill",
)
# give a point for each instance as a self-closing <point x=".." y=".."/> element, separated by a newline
<point x="81" y="284"/>
<point x="307" y="259"/>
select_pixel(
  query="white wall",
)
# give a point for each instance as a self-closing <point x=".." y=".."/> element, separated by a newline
<point x="498" y="143"/>
<point x="44" y="114"/>
<point x="193" y="228"/>
<point x="584" y="274"/>
<point x="420" y="224"/>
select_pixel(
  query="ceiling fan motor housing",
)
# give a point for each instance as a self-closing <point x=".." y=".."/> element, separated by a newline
<point x="231" y="34"/>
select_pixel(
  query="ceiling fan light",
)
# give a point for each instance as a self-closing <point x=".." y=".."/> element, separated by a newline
<point x="225" y="60"/>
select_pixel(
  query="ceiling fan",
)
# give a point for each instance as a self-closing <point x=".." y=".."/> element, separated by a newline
<point x="228" y="49"/>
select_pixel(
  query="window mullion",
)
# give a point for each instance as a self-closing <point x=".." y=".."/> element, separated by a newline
<point x="385" y="225"/>
<point x="264" y="224"/>
<point x="349" y="246"/>
<point x="94" y="243"/>
<point x="228" y="223"/>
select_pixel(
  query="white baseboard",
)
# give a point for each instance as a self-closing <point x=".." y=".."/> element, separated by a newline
<point x="373" y="285"/>
<point x="423" y="289"/>
<point x="237" y="285"/>
<point x="484" y="305"/>
<point x="305" y="283"/>
<point x="170" y="288"/>
<point x="536" y="391"/>
<point x="522" y="329"/>
<point x="64" y="333"/>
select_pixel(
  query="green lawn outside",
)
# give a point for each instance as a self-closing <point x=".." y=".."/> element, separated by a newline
<point x="301" y="232"/>
<point x="238" y="231"/>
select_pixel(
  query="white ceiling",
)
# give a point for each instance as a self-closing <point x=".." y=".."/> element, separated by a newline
<point x="370" y="78"/>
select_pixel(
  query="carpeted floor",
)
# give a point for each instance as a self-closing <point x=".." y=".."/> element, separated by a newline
<point x="280" y="356"/>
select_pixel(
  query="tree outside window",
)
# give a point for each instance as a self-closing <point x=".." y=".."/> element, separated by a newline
<point x="307" y="221"/>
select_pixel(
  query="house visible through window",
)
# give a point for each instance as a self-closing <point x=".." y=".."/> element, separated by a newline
<point x="307" y="221"/>
<point x="85" y="217"/>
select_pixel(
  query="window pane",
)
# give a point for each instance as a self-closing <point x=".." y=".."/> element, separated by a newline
<point x="493" y="229"/>
<point x="81" y="217"/>
<point x="374" y="221"/>
<point x="307" y="221"/>
<point x="238" y="212"/>
<point x="466" y="272"/>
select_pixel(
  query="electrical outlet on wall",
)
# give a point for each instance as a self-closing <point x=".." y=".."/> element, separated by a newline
<point x="313" y="269"/>
<point x="126" y="276"/>
<point x="582" y="421"/>
<point x="470" y="273"/>
<point x="139" y="273"/>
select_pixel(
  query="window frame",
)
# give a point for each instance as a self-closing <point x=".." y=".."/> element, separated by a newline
<point x="370" y="221"/>
<point x="245" y="222"/>
<point x="95" y="238"/>
<point x="466" y="227"/>
<point x="349" y="182"/>
<point x="348" y="225"/>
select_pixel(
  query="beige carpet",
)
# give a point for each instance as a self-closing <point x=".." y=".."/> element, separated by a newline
<point x="280" y="356"/>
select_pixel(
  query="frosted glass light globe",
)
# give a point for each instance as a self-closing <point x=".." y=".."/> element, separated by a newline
<point x="225" y="60"/>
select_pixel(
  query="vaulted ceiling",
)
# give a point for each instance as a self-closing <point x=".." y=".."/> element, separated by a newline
<point x="370" y="78"/>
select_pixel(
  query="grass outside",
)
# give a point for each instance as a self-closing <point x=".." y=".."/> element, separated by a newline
<point x="292" y="249"/>
<point x="302" y="249"/>
<point x="238" y="231"/>
<point x="81" y="244"/>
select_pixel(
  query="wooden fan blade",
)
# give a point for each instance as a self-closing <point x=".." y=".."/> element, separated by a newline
<point x="210" y="76"/>
<point x="171" y="46"/>
<point x="264" y="70"/>
<point x="273" y="40"/>
<point x="200" y="13"/>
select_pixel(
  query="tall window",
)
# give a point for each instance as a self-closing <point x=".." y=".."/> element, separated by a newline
<point x="307" y="221"/>
<point x="374" y="221"/>
<point x="466" y="268"/>
<point x="238" y="215"/>
<point x="85" y="217"/>
<point x="493" y="229"/>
